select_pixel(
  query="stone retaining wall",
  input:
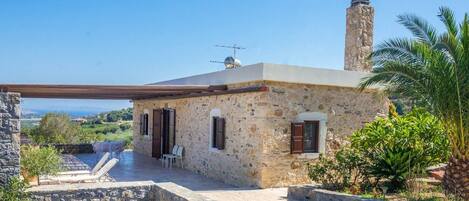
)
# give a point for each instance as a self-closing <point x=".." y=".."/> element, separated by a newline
<point x="314" y="193"/>
<point x="141" y="190"/>
<point x="9" y="136"/>
<point x="73" y="148"/>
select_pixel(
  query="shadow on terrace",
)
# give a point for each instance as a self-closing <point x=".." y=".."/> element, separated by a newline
<point x="133" y="166"/>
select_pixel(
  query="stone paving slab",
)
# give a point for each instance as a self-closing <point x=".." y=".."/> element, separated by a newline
<point x="137" y="167"/>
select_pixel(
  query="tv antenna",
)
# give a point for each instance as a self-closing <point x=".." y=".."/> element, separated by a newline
<point x="230" y="61"/>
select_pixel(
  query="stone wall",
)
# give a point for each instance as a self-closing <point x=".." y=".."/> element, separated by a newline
<point x="9" y="136"/>
<point x="257" y="150"/>
<point x="73" y="148"/>
<point x="359" y="38"/>
<point x="141" y="190"/>
<point x="346" y="109"/>
<point x="315" y="193"/>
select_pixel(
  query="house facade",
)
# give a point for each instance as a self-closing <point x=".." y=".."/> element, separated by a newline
<point x="259" y="126"/>
<point x="273" y="122"/>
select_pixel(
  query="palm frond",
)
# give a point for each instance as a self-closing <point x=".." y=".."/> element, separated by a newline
<point x="447" y="17"/>
<point x="420" y="28"/>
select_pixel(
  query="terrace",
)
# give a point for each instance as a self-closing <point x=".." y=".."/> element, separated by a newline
<point x="135" y="167"/>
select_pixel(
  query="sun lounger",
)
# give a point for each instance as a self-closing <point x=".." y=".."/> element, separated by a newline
<point x="85" y="178"/>
<point x="93" y="171"/>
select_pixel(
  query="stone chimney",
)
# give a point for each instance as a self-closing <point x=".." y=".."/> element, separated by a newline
<point x="359" y="36"/>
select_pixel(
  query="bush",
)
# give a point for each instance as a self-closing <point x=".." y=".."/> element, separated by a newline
<point x="342" y="171"/>
<point x="15" y="190"/>
<point x="37" y="161"/>
<point x="125" y="126"/>
<point x="398" y="145"/>
<point x="387" y="149"/>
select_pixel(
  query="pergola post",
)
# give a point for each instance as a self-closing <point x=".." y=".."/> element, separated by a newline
<point x="9" y="136"/>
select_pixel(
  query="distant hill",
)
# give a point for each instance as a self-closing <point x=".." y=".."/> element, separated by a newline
<point x="112" y="116"/>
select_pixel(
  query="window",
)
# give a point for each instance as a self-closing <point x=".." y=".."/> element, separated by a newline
<point x="218" y="133"/>
<point x="311" y="137"/>
<point x="144" y="124"/>
<point x="308" y="134"/>
<point x="305" y="137"/>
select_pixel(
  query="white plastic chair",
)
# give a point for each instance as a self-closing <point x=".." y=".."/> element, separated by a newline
<point x="173" y="153"/>
<point x="177" y="156"/>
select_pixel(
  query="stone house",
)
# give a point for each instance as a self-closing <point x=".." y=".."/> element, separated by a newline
<point x="256" y="125"/>
<point x="274" y="119"/>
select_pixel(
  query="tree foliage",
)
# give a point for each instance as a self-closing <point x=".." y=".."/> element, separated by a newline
<point x="386" y="149"/>
<point x="14" y="190"/>
<point x="432" y="70"/>
<point x="37" y="161"/>
<point x="57" y="128"/>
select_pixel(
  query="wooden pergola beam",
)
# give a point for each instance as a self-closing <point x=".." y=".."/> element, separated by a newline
<point x="105" y="91"/>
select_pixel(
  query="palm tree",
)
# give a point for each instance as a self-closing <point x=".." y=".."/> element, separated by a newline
<point x="432" y="70"/>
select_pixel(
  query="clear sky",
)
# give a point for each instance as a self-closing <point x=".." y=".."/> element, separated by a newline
<point x="138" y="42"/>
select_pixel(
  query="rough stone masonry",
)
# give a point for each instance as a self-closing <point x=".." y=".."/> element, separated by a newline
<point x="359" y="36"/>
<point x="9" y="136"/>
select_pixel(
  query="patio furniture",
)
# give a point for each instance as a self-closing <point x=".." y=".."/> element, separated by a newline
<point x="93" y="171"/>
<point x="85" y="178"/>
<point x="177" y="156"/>
<point x="173" y="153"/>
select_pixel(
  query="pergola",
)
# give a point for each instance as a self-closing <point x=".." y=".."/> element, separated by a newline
<point x="124" y="92"/>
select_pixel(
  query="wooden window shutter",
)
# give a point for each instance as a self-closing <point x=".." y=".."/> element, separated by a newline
<point x="220" y="133"/>
<point x="297" y="138"/>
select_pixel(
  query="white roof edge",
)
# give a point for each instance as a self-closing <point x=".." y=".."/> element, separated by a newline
<point x="274" y="72"/>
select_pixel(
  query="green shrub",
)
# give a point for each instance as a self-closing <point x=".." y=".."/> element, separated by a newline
<point x="343" y="170"/>
<point x="398" y="145"/>
<point x="15" y="190"/>
<point x="37" y="161"/>
<point x="125" y="126"/>
<point x="393" y="164"/>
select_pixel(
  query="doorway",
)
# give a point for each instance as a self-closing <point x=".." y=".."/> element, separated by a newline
<point x="164" y="131"/>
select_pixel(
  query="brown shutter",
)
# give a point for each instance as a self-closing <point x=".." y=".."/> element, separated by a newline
<point x="297" y="138"/>
<point x="220" y="133"/>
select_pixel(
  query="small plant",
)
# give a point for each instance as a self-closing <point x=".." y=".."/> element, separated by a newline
<point x="37" y="161"/>
<point x="15" y="190"/>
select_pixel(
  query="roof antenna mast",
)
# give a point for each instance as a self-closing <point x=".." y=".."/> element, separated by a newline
<point x="230" y="61"/>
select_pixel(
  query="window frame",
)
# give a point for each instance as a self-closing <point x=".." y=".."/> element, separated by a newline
<point x="215" y="112"/>
<point x="303" y="117"/>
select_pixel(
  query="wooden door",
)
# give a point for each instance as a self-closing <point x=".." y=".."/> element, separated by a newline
<point x="157" y="131"/>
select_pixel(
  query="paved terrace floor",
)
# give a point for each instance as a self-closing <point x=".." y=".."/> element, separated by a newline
<point x="137" y="167"/>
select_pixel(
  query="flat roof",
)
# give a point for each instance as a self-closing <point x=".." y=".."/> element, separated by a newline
<point x="274" y="72"/>
<point x="108" y="91"/>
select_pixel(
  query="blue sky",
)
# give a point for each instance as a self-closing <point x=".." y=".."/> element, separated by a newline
<point x="138" y="42"/>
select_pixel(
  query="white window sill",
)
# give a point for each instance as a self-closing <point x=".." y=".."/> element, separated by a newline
<point x="211" y="149"/>
<point x="309" y="155"/>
